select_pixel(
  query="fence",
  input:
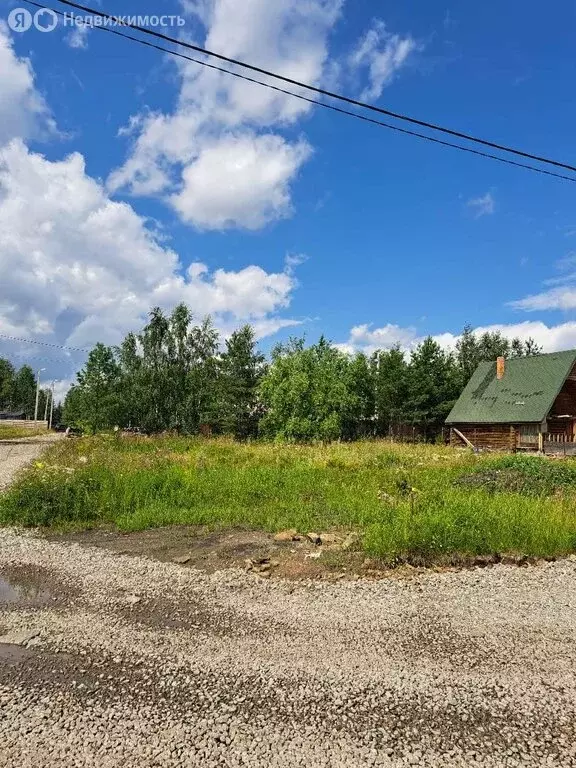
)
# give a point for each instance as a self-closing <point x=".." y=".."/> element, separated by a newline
<point x="558" y="437"/>
<point x="24" y="423"/>
<point x="552" y="443"/>
<point x="560" y="443"/>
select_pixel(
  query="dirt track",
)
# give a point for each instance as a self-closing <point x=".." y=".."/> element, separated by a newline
<point x="16" y="454"/>
<point x="126" y="661"/>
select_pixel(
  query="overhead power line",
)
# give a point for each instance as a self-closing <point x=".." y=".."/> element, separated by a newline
<point x="320" y="91"/>
<point x="42" y="343"/>
<point x="300" y="96"/>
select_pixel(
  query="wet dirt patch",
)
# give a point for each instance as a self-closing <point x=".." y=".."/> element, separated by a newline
<point x="31" y="586"/>
<point x="46" y="669"/>
<point x="211" y="551"/>
<point x="426" y="636"/>
<point x="207" y="549"/>
<point x="394" y="717"/>
<point x="14" y="654"/>
<point x="200" y="617"/>
<point x="214" y="550"/>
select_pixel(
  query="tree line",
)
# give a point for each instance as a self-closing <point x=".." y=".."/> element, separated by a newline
<point x="175" y="375"/>
<point x="18" y="390"/>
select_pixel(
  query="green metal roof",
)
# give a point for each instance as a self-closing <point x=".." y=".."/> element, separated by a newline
<point x="525" y="393"/>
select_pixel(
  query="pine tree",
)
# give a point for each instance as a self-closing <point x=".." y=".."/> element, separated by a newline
<point x="7" y="374"/>
<point x="358" y="421"/>
<point x="432" y="386"/>
<point x="391" y="389"/>
<point x="131" y="385"/>
<point x="155" y="387"/>
<point x="203" y="381"/>
<point x="472" y="349"/>
<point x="24" y="391"/>
<point x="467" y="354"/>
<point x="242" y="367"/>
<point x="179" y="355"/>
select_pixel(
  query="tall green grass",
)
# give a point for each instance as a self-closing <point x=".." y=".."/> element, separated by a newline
<point x="10" y="432"/>
<point x="442" y="524"/>
<point x="407" y="501"/>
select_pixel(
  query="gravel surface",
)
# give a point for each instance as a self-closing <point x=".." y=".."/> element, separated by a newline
<point x="16" y="454"/>
<point x="110" y="660"/>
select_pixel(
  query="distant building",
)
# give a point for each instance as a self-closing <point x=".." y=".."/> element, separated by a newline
<point x="527" y="403"/>
<point x="12" y="416"/>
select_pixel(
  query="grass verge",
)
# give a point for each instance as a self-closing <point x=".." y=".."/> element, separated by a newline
<point x="410" y="503"/>
<point x="13" y="433"/>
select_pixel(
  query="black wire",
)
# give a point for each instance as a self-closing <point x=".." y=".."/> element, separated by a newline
<point x="320" y="91"/>
<point x="315" y="101"/>
<point x="42" y="343"/>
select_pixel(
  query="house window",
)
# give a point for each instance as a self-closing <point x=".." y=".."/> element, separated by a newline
<point x="528" y="433"/>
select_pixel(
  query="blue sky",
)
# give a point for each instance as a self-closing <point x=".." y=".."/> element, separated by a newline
<point x="120" y="167"/>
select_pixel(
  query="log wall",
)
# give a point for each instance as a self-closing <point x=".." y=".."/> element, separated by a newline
<point x="565" y="402"/>
<point x="24" y="423"/>
<point x="495" y="437"/>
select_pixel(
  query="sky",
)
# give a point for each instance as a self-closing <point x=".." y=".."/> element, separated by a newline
<point x="130" y="178"/>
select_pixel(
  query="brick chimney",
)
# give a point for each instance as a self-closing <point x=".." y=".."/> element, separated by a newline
<point x="500" y="365"/>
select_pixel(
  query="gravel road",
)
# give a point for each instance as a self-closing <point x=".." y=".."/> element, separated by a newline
<point x="15" y="454"/>
<point x="111" y="660"/>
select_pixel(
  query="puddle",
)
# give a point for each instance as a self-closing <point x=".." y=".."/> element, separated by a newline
<point x="23" y="588"/>
<point x="13" y="654"/>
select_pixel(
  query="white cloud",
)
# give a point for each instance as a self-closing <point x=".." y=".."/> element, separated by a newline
<point x="560" y="297"/>
<point x="551" y="338"/>
<point x="77" y="267"/>
<point x="382" y="54"/>
<point x="61" y="387"/>
<point x="240" y="181"/>
<point x="23" y="110"/>
<point x="267" y="326"/>
<point x="482" y="206"/>
<point x="557" y="298"/>
<point x="76" y="264"/>
<point x="294" y="260"/>
<point x="208" y="148"/>
<point x="364" y="338"/>
<point x="287" y="36"/>
<point x="78" y="38"/>
<point x="250" y="293"/>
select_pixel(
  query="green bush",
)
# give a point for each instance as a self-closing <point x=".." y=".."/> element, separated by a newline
<point x="530" y="475"/>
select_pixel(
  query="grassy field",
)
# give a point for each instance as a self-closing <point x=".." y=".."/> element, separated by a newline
<point x="13" y="433"/>
<point x="416" y="503"/>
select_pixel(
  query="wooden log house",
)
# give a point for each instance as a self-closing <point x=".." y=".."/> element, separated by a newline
<point x="527" y="403"/>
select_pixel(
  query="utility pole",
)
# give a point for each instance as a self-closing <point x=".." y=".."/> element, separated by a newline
<point x="47" y="401"/>
<point x="51" y="406"/>
<point x="37" y="392"/>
